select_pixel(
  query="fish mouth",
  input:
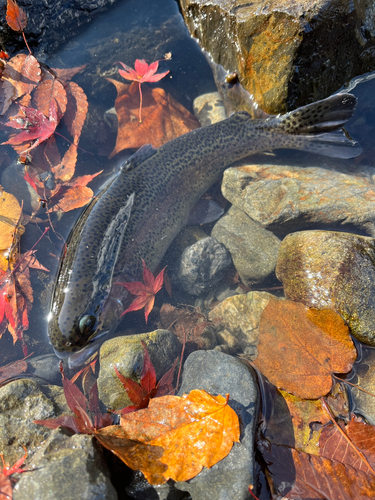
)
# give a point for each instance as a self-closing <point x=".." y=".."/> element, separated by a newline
<point x="83" y="356"/>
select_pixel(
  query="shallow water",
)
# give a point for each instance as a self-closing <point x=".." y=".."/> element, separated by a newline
<point x="144" y="30"/>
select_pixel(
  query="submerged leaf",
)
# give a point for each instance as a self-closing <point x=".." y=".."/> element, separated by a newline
<point x="163" y="118"/>
<point x="299" y="348"/>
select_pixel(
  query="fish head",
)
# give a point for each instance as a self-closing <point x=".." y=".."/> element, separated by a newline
<point x="76" y="324"/>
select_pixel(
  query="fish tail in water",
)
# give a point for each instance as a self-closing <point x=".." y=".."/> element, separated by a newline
<point x="316" y="127"/>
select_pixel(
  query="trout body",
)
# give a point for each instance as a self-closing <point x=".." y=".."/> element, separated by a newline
<point x="140" y="212"/>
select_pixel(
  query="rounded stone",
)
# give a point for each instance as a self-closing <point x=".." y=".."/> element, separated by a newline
<point x="328" y="269"/>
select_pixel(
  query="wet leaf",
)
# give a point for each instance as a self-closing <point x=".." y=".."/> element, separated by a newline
<point x="361" y="436"/>
<point x="142" y="72"/>
<point x="82" y="421"/>
<point x="72" y="194"/>
<point x="163" y="118"/>
<point x="34" y="124"/>
<point x="66" y="74"/>
<point x="12" y="370"/>
<point x="196" y="431"/>
<point x="23" y="72"/>
<point x="6" y="491"/>
<point x="299" y="348"/>
<point x="136" y="455"/>
<point x="7" y="96"/>
<point x="145" y="292"/>
<point x="43" y="95"/>
<point x="64" y="171"/>
<point x="16" y="17"/>
<point x="140" y="394"/>
<point x="10" y="213"/>
<point x="298" y="475"/>
<point x="76" y="111"/>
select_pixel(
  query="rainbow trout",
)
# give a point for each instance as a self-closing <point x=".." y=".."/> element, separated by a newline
<point x="142" y="209"/>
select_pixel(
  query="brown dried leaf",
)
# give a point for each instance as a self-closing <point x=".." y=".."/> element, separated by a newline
<point x="46" y="91"/>
<point x="334" y="446"/>
<point x="64" y="171"/>
<point x="23" y="72"/>
<point x="298" y="475"/>
<point x="299" y="348"/>
<point x="66" y="74"/>
<point x="163" y="118"/>
<point x="74" y="197"/>
<point x="7" y="95"/>
<point x="16" y="17"/>
<point x="76" y="110"/>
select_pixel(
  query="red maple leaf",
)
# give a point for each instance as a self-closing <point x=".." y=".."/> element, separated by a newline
<point x="6" y="490"/>
<point x="142" y="73"/>
<point x="140" y="394"/>
<point x="146" y="291"/>
<point x="81" y="422"/>
<point x="34" y="124"/>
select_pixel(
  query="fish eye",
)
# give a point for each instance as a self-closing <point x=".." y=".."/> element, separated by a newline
<point x="87" y="324"/>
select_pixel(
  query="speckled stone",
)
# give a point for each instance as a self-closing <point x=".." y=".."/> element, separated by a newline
<point x="283" y="198"/>
<point x="21" y="402"/>
<point x="202" y="265"/>
<point x="65" y="468"/>
<point x="209" y="108"/>
<point x="253" y="249"/>
<point x="327" y="269"/>
<point x="126" y="353"/>
<point x="237" y="321"/>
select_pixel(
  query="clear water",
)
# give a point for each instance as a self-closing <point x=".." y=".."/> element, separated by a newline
<point x="142" y="30"/>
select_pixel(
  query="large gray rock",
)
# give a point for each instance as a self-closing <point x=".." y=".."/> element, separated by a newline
<point x="253" y="249"/>
<point x="65" y="468"/>
<point x="283" y="198"/>
<point x="218" y="373"/>
<point x="286" y="53"/>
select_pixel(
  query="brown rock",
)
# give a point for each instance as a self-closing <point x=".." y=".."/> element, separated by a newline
<point x="284" y="198"/>
<point x="286" y="53"/>
<point x="327" y="269"/>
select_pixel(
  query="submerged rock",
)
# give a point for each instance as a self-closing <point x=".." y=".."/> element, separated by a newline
<point x="202" y="265"/>
<point x="66" y="467"/>
<point x="209" y="108"/>
<point x="126" y="353"/>
<point x="21" y="402"/>
<point x="253" y="249"/>
<point x="284" y="198"/>
<point x="364" y="404"/>
<point x="218" y="373"/>
<point x="285" y="53"/>
<point x="327" y="269"/>
<point x="237" y="321"/>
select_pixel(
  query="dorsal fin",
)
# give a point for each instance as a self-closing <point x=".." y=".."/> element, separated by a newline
<point x="144" y="153"/>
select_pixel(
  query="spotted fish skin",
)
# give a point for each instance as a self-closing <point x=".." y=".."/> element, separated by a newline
<point x="165" y="184"/>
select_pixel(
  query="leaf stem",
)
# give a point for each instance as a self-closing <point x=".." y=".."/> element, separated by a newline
<point x="27" y="45"/>
<point x="140" y="103"/>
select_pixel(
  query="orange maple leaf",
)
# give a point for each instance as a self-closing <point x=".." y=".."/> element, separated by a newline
<point x="145" y="291"/>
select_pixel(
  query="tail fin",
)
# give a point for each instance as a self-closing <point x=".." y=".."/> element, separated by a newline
<point x="316" y="127"/>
